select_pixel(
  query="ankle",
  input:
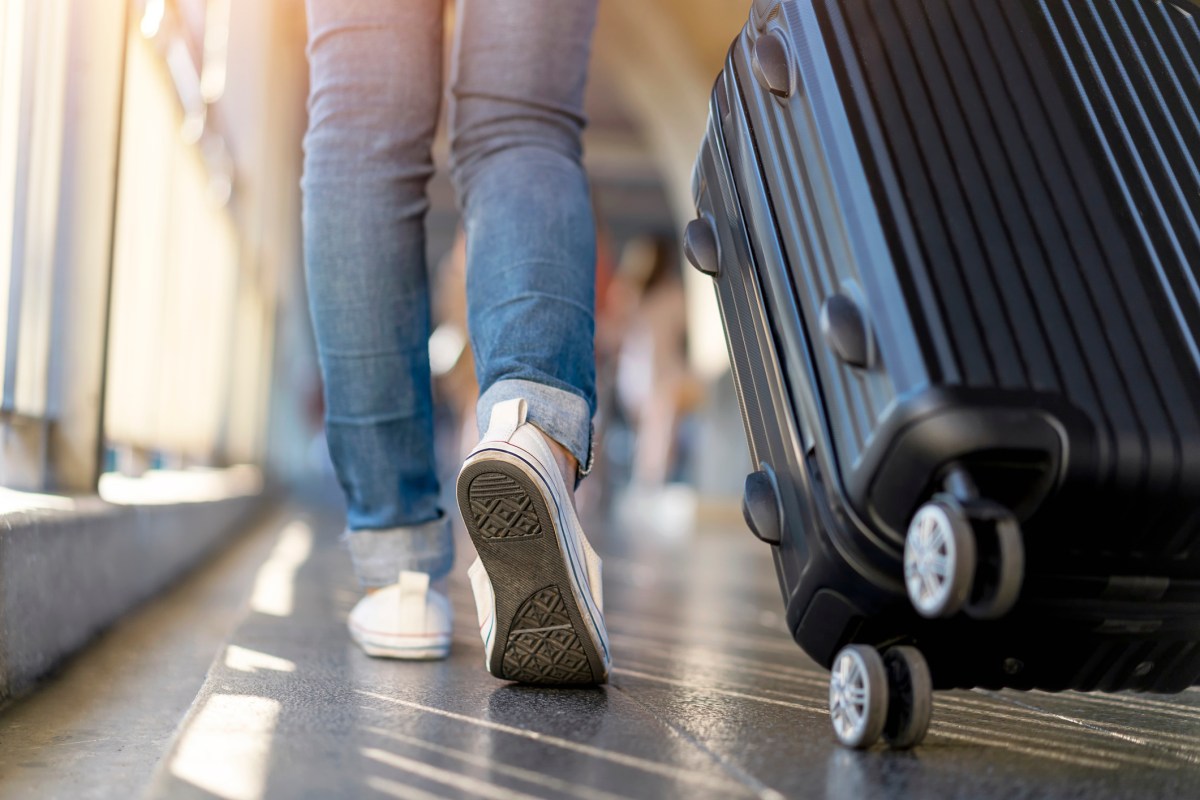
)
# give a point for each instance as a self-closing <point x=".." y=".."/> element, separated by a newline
<point x="568" y="465"/>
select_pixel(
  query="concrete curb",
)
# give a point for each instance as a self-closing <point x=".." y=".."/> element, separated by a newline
<point x="65" y="575"/>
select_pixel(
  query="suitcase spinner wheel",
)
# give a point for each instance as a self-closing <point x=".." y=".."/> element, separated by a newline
<point x="873" y="696"/>
<point x="939" y="560"/>
<point x="963" y="554"/>
<point x="910" y="698"/>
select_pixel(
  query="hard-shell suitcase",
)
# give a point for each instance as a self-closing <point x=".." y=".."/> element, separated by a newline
<point x="956" y="248"/>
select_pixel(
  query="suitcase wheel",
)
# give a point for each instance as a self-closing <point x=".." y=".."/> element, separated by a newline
<point x="939" y="559"/>
<point x="858" y="696"/>
<point x="1001" y="570"/>
<point x="963" y="555"/>
<point x="873" y="696"/>
<point x="910" y="698"/>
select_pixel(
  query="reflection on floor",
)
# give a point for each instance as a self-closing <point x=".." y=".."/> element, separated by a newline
<point x="709" y="698"/>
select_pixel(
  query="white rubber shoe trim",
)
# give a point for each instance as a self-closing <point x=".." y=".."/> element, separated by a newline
<point x="418" y="627"/>
<point x="485" y="606"/>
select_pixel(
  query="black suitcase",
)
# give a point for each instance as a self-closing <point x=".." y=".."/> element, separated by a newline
<point x="956" y="249"/>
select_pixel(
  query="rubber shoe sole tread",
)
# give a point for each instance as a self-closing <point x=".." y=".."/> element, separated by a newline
<point x="540" y="635"/>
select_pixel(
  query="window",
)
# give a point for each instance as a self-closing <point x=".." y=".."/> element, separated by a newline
<point x="33" y="55"/>
<point x="133" y="315"/>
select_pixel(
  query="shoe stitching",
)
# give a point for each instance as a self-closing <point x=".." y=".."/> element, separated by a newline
<point x="491" y="617"/>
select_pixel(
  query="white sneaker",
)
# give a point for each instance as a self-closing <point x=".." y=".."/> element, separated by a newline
<point x="407" y="620"/>
<point x="537" y="580"/>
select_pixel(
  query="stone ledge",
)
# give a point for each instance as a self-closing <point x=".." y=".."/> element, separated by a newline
<point x="70" y="567"/>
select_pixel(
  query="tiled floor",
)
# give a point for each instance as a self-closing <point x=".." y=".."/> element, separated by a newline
<point x="709" y="698"/>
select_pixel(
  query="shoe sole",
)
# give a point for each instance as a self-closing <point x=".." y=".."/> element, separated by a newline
<point x="432" y="649"/>
<point x="540" y="636"/>
<point x="406" y="653"/>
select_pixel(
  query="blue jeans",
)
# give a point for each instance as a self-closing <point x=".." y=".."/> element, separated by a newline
<point x="517" y="83"/>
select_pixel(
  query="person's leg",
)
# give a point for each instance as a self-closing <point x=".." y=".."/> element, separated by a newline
<point x="373" y="110"/>
<point x="517" y="115"/>
<point x="521" y="67"/>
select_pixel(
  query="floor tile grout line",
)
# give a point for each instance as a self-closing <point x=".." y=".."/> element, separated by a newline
<point x="399" y="790"/>
<point x="669" y="771"/>
<point x="445" y="777"/>
<point x="1096" y="727"/>
<point x="518" y="773"/>
<point x="757" y="787"/>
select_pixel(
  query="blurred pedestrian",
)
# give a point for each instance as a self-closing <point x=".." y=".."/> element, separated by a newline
<point x="654" y="383"/>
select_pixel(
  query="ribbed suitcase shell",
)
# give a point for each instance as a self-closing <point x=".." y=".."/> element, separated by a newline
<point x="1010" y="189"/>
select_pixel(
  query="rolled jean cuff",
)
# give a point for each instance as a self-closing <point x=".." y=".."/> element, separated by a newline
<point x="563" y="416"/>
<point x="379" y="556"/>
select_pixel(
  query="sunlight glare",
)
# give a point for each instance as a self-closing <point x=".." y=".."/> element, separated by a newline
<point x="226" y="748"/>
<point x="152" y="18"/>
<point x="12" y="501"/>
<point x="274" y="586"/>
<point x="243" y="659"/>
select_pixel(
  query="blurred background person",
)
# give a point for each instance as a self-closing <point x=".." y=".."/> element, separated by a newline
<point x="653" y="384"/>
